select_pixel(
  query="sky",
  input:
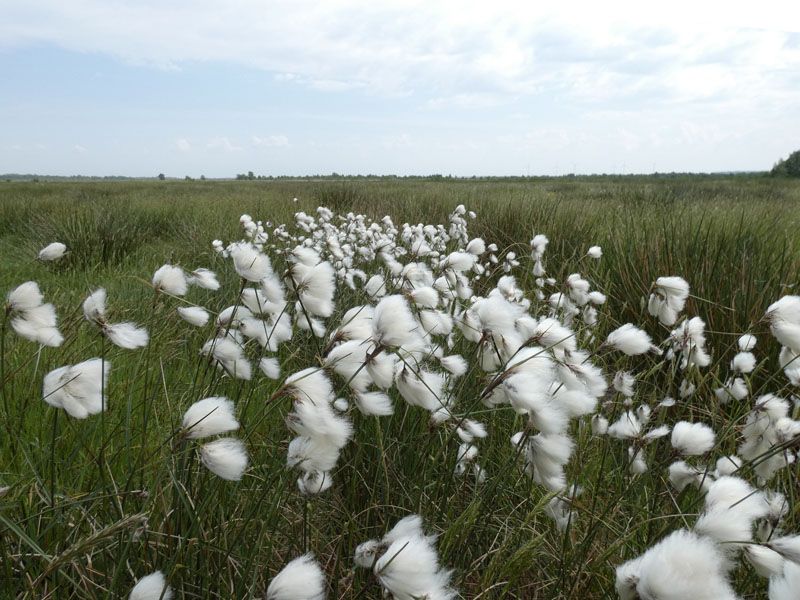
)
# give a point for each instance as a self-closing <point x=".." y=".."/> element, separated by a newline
<point x="489" y="87"/>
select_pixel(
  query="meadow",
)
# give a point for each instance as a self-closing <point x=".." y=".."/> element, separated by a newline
<point x="534" y="489"/>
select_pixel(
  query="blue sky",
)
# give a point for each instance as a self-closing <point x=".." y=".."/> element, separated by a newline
<point x="400" y="86"/>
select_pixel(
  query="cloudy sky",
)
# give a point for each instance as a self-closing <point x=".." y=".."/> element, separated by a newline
<point x="465" y="87"/>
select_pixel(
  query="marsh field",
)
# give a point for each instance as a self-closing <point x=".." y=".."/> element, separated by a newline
<point x="473" y="385"/>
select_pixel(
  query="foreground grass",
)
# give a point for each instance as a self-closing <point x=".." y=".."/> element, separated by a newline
<point x="95" y="504"/>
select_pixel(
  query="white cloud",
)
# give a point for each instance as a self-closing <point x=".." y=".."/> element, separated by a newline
<point x="224" y="144"/>
<point x="555" y="87"/>
<point x="79" y="149"/>
<point x="447" y="49"/>
<point x="271" y="141"/>
<point x="402" y="140"/>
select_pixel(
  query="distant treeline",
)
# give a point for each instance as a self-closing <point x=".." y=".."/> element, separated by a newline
<point x="341" y="177"/>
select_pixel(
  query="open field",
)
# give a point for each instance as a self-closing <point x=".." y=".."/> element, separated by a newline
<point x="95" y="504"/>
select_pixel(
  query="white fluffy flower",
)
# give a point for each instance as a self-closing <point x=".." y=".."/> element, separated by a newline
<point x="203" y="278"/>
<point x="392" y="322"/>
<point x="52" y="251"/>
<point x="692" y="439"/>
<point x="744" y="362"/>
<point x="151" y="587"/>
<point x="595" y="252"/>
<point x="301" y="579"/>
<point x="209" y="416"/>
<point x="30" y="318"/>
<point x="409" y="566"/>
<point x="225" y="457"/>
<point x="249" y="263"/>
<point x="746" y="342"/>
<point x="785" y="586"/>
<point x="270" y="367"/>
<point x="682" y="565"/>
<point x="127" y="335"/>
<point x="194" y="315"/>
<point x="668" y="299"/>
<point x="629" y="340"/>
<point x="229" y="356"/>
<point x="78" y="389"/>
<point x="171" y="280"/>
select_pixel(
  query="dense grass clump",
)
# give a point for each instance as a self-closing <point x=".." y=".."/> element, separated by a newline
<point x="90" y="506"/>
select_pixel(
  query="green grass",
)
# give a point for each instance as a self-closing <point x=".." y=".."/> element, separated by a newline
<point x="96" y="504"/>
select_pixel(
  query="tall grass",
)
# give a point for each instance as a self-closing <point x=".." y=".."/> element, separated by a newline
<point x="95" y="504"/>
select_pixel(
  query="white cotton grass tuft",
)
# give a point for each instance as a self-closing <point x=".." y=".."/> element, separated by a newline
<point x="787" y="546"/>
<point x="668" y="299"/>
<point x="78" y="389"/>
<point x="270" y="367"/>
<point x="25" y="296"/>
<point x="170" y="280"/>
<point x="374" y="403"/>
<point x="630" y="340"/>
<point x="194" y="315"/>
<point x="747" y="342"/>
<point x="392" y="323"/>
<point x="203" y="278"/>
<point x="31" y="318"/>
<point x="682" y="565"/>
<point x="766" y="562"/>
<point x="785" y="586"/>
<point x="209" y="416"/>
<point x="251" y="264"/>
<point x="225" y="457"/>
<point x="51" y="252"/>
<point x="126" y="335"/>
<point x="692" y="439"/>
<point x="732" y="506"/>
<point x="229" y="356"/>
<point x="151" y="587"/>
<point x="595" y="252"/>
<point x="301" y="579"/>
<point x="406" y="563"/>
<point x="743" y="362"/>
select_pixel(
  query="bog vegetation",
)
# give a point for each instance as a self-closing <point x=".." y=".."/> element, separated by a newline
<point x="559" y="389"/>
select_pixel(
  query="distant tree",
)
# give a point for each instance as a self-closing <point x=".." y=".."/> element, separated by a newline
<point x="161" y="176"/>
<point x="251" y="175"/>
<point x="187" y="178"/>
<point x="202" y="177"/>
<point x="790" y="167"/>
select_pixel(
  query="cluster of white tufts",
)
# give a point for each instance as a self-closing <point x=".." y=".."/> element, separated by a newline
<point x="405" y="562"/>
<point x="31" y="318"/>
<point x="399" y="317"/>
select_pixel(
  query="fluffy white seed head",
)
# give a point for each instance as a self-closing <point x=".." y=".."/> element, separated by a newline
<point x="692" y="439"/>
<point x="78" y="389"/>
<point x="209" y="416"/>
<point x="25" y="296"/>
<point x="127" y="335"/>
<point x="151" y="587"/>
<point x="629" y="340"/>
<point x="270" y="367"/>
<point x="225" y="457"/>
<point x="301" y="579"/>
<point x="171" y="280"/>
<point x="250" y="263"/>
<point x="52" y="251"/>
<point x="194" y="315"/>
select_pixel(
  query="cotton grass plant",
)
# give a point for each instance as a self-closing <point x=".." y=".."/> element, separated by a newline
<point x="288" y="416"/>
